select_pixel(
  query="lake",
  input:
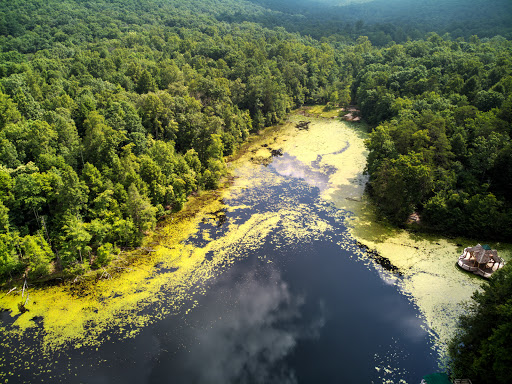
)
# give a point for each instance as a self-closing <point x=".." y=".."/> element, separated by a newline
<point x="267" y="283"/>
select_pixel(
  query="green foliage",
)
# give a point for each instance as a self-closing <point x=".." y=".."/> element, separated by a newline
<point x="437" y="102"/>
<point x="8" y="111"/>
<point x="141" y="211"/>
<point x="112" y="115"/>
<point x="401" y="184"/>
<point x="105" y="254"/>
<point x="388" y="20"/>
<point x="9" y="259"/>
<point x="38" y="253"/>
<point x="481" y="348"/>
<point x="74" y="240"/>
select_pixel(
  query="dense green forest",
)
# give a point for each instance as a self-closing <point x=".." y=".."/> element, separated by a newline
<point x="384" y="21"/>
<point x="481" y="349"/>
<point x="113" y="112"/>
<point x="442" y="145"/>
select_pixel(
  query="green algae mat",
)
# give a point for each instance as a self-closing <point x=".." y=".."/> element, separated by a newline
<point x="168" y="272"/>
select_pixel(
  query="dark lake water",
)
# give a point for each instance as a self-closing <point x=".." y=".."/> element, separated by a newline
<point x="293" y="309"/>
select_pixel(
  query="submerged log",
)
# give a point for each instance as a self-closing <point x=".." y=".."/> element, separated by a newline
<point x="12" y="290"/>
<point x="383" y="261"/>
<point x="303" y="124"/>
<point x="21" y="308"/>
<point x="106" y="275"/>
<point x="276" y="152"/>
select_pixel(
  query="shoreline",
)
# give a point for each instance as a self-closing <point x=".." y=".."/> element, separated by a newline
<point x="129" y="256"/>
<point x="62" y="310"/>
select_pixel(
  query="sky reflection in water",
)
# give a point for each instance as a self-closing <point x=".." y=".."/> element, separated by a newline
<point x="290" y="166"/>
<point x="289" y="310"/>
<point x="315" y="313"/>
<point x="245" y="336"/>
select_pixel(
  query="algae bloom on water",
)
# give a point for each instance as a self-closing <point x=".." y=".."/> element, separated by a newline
<point x="294" y="214"/>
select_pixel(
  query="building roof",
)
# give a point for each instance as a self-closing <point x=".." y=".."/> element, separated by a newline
<point x="484" y="253"/>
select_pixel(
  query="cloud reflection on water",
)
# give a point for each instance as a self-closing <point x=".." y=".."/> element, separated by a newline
<point x="245" y="336"/>
<point x="290" y="166"/>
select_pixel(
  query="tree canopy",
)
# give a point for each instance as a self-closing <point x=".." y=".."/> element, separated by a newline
<point x="481" y="349"/>
<point x="113" y="112"/>
<point x="441" y="107"/>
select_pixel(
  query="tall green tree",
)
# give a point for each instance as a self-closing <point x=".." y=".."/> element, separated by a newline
<point x="481" y="349"/>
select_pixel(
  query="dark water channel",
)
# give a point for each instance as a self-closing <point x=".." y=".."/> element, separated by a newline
<point x="286" y="312"/>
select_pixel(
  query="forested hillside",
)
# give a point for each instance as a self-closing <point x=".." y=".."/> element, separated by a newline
<point x="384" y="21"/>
<point x="113" y="112"/>
<point x="444" y="148"/>
<point x="476" y="343"/>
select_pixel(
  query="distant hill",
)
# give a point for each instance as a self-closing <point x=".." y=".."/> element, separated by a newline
<point x="461" y="18"/>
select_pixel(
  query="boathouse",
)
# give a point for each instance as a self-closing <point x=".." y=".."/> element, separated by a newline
<point x="481" y="260"/>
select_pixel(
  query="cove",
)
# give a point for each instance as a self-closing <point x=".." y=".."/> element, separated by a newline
<point x="269" y="285"/>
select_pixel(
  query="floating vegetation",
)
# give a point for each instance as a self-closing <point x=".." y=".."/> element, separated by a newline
<point x="331" y="156"/>
<point x="216" y="229"/>
<point x="388" y="365"/>
<point x="171" y="267"/>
